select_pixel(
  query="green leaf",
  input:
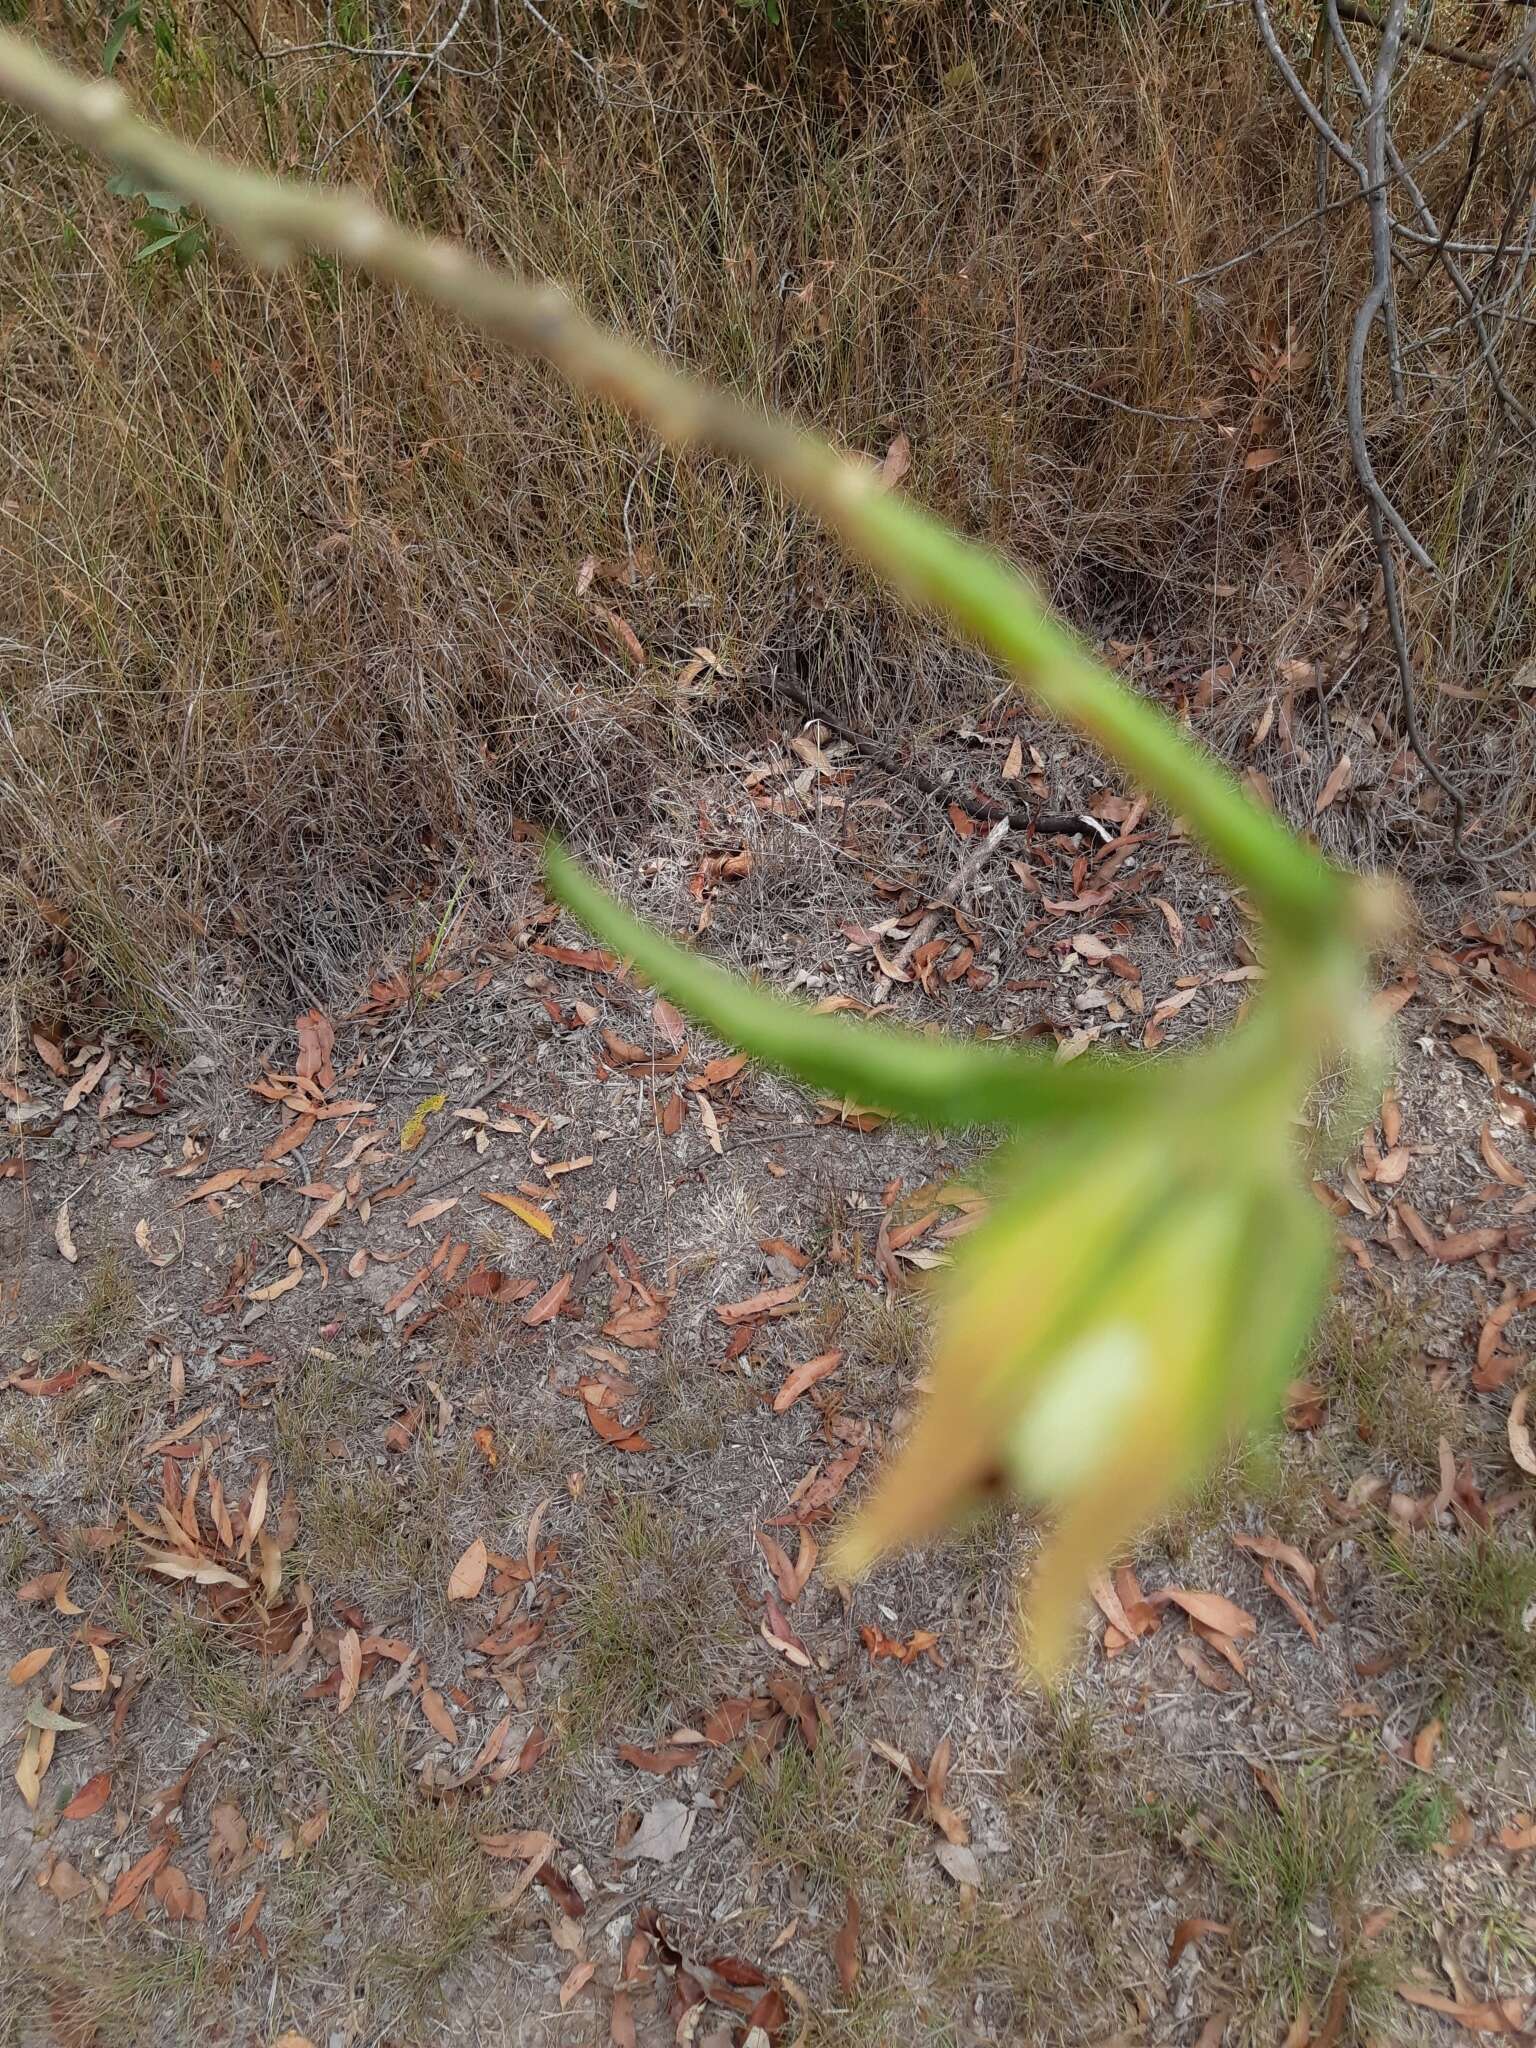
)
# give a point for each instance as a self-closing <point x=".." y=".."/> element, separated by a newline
<point x="154" y="248"/>
<point x="129" y="185"/>
<point x="928" y="1080"/>
<point x="118" y="35"/>
<point x="45" y="1717"/>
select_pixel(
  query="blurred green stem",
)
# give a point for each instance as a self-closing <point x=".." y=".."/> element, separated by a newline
<point x="275" y="219"/>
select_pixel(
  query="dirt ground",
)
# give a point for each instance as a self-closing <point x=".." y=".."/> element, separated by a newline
<point x="403" y="1466"/>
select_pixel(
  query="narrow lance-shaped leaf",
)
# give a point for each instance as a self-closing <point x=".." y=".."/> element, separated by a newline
<point x="930" y="1080"/>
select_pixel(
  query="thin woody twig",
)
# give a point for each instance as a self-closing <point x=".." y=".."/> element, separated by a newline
<point x="1377" y="303"/>
<point x="1392" y="599"/>
<point x="1378" y="166"/>
<point x="1261" y="248"/>
<point x="1051" y="824"/>
<point x="1325" y="129"/>
<point x="967" y="872"/>
<point x="1431" y="46"/>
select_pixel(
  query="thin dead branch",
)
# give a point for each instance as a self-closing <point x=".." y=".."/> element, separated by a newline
<point x="1380" y="174"/>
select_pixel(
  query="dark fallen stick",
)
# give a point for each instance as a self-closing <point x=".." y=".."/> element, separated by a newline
<point x="1069" y="824"/>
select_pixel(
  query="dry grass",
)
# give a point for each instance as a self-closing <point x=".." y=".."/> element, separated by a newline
<point x="1294" y="1877"/>
<point x="289" y="572"/>
<point x="653" y="1623"/>
<point x="1463" y="1607"/>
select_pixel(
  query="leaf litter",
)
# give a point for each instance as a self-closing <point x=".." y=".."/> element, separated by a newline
<point x="221" y="1554"/>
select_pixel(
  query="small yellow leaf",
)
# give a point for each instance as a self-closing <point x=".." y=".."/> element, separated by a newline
<point x="414" y="1128"/>
<point x="525" y="1212"/>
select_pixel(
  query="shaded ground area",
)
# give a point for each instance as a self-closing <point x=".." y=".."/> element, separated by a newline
<point x="418" y="1449"/>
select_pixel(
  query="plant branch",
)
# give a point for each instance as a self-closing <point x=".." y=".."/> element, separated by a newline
<point x="1453" y="53"/>
<point x="274" y="220"/>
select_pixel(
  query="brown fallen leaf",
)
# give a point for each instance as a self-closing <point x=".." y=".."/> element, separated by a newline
<point x="28" y="1667"/>
<point x="669" y="1021"/>
<point x="200" y="1571"/>
<point x="577" y="1981"/>
<point x="1191" y="1655"/>
<point x="1501" y="1168"/>
<point x="230" y="1178"/>
<point x="86" y="1083"/>
<point x="1214" y="1609"/>
<point x="612" y="1431"/>
<point x="145" y="1243"/>
<point x="1337" y="783"/>
<point x="803" y="1377"/>
<point x="1521" y="1448"/>
<point x="174" y="1890"/>
<point x="32" y="1765"/>
<point x="772" y="1301"/>
<point x="1110" y="1605"/>
<point x="284" y="1285"/>
<point x="90" y="1799"/>
<point x="1426" y="1744"/>
<point x="1480" y="1053"/>
<point x="1192" y="1930"/>
<point x="1280" y="1553"/>
<point x="662" y="1835"/>
<point x="1291" y="1604"/>
<point x="468" y="1575"/>
<point x="435" y="1708"/>
<point x="245" y="1927"/>
<point x="896" y="463"/>
<point x="549" y="1305"/>
<point x="621" y="2021"/>
<point x="50" y="1055"/>
<point x="63" y="1882"/>
<point x="1469" y="1244"/>
<point x="922" y="1641"/>
<point x="778" y="1632"/>
<point x="1502" y="2016"/>
<point x="659" y="1762"/>
<point x="523" y="1845"/>
<point x="229" y="1840"/>
<point x="134" y="1879"/>
<point x="846" y="1952"/>
<point x="791" y="1578"/>
<point x="349" y="1652"/>
<point x="62" y="1236"/>
<point x="958" y="1860"/>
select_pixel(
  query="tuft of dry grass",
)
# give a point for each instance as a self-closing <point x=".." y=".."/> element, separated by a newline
<point x="653" y="1623"/>
<point x="1373" y="1367"/>
<point x="290" y="573"/>
<point x="1294" y="1877"/>
<point x="1464" y="1609"/>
